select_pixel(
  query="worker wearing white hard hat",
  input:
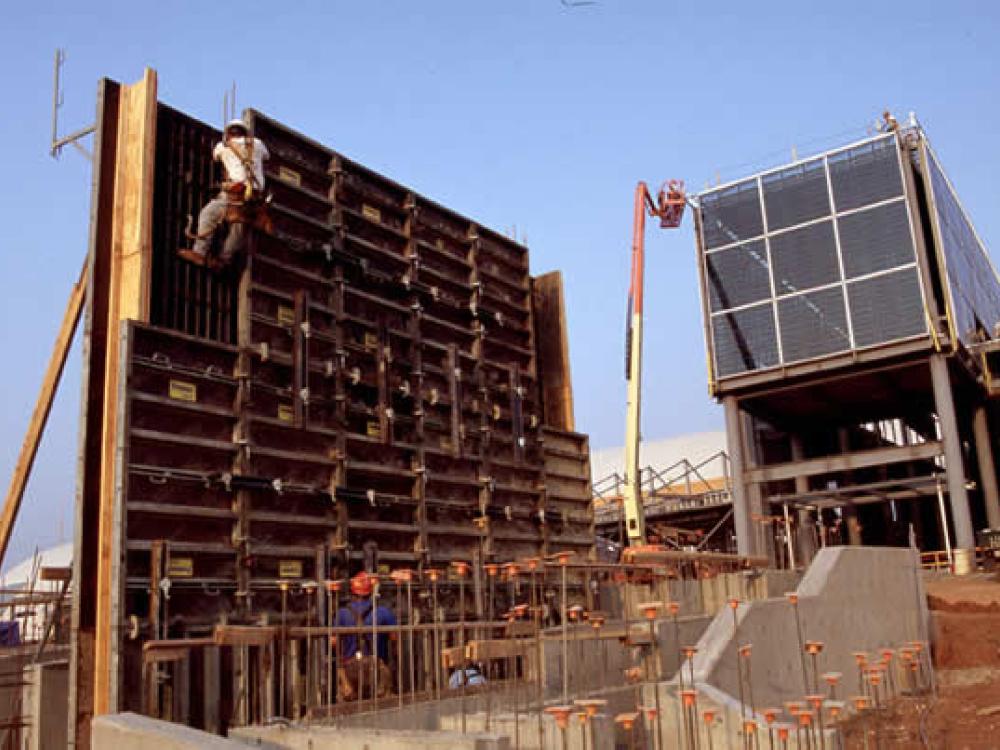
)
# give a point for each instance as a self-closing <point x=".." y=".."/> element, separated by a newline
<point x="242" y="157"/>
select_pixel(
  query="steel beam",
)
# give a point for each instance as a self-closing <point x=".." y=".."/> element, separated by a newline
<point x="857" y="460"/>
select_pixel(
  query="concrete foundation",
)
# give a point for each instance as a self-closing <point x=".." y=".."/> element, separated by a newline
<point x="851" y="598"/>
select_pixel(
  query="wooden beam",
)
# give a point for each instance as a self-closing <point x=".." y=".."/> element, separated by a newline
<point x="128" y="299"/>
<point x="84" y="586"/>
<point x="499" y="649"/>
<point x="243" y="635"/>
<point x="552" y="345"/>
<point x="40" y="415"/>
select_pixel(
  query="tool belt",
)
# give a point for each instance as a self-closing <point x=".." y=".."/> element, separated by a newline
<point x="253" y="213"/>
<point x="355" y="678"/>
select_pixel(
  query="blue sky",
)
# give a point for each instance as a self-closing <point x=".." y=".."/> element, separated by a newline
<point x="519" y="113"/>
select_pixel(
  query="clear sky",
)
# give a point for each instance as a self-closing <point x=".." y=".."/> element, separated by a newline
<point x="521" y="113"/>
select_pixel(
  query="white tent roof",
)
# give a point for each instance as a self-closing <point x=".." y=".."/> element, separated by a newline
<point x="663" y="453"/>
<point x="60" y="556"/>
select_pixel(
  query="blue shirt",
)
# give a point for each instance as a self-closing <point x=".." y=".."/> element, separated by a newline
<point x="348" y="618"/>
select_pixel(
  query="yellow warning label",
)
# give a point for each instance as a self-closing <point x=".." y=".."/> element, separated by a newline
<point x="181" y="390"/>
<point x="370" y="212"/>
<point x="286" y="413"/>
<point x="289" y="568"/>
<point x="180" y="567"/>
<point x="290" y="175"/>
<point x="371" y="341"/>
<point x="374" y="430"/>
<point x="286" y="315"/>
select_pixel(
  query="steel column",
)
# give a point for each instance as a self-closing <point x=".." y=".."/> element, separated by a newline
<point x="965" y="541"/>
<point x="987" y="468"/>
<point x="741" y="498"/>
<point x="805" y="540"/>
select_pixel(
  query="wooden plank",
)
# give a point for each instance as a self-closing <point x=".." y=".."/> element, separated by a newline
<point x="43" y="405"/>
<point x="552" y="344"/>
<point x="128" y="299"/>
<point x="243" y="635"/>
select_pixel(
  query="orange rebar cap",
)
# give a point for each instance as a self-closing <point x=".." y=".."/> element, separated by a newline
<point x="560" y="714"/>
<point x="627" y="719"/>
<point x="361" y="584"/>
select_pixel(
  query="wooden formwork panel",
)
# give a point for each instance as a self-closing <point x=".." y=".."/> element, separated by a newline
<point x="364" y="381"/>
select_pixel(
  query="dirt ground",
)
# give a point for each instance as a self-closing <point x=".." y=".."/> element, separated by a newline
<point x="965" y="713"/>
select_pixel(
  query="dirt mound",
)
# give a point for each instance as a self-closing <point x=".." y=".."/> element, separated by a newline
<point x="965" y="641"/>
<point x="979" y="593"/>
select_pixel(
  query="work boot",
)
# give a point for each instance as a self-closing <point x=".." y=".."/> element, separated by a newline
<point x="191" y="257"/>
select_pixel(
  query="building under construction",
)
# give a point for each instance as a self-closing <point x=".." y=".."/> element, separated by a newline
<point x="851" y="316"/>
<point x="379" y="385"/>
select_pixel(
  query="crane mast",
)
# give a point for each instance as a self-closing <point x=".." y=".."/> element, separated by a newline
<point x="668" y="207"/>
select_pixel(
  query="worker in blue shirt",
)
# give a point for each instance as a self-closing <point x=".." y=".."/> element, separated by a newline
<point x="359" y="612"/>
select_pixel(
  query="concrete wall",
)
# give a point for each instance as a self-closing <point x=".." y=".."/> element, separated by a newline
<point x="134" y="732"/>
<point x="851" y="598"/>
<point x="45" y="703"/>
<point x="338" y="738"/>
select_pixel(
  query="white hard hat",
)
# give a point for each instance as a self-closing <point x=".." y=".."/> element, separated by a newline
<point x="237" y="123"/>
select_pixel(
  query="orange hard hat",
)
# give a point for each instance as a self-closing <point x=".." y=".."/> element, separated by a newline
<point x="361" y="584"/>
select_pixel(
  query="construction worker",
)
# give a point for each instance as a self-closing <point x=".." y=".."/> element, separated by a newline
<point x="356" y="651"/>
<point x="243" y="159"/>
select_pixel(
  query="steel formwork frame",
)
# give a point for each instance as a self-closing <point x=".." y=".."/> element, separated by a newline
<point x="245" y="434"/>
<point x="935" y="375"/>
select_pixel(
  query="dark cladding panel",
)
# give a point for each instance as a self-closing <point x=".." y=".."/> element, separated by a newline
<point x="876" y="239"/>
<point x="796" y="195"/>
<point x="974" y="285"/>
<point x="731" y="214"/>
<point x="737" y="276"/>
<point x="866" y="174"/>
<point x="745" y="340"/>
<point x="804" y="258"/>
<point x="813" y="324"/>
<point x="887" y="307"/>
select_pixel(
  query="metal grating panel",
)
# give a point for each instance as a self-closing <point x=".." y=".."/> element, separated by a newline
<point x="886" y="307"/>
<point x="745" y="340"/>
<point x="732" y="214"/>
<point x="804" y="258"/>
<point x="876" y="239"/>
<point x="866" y="174"/>
<point x="813" y="324"/>
<point x="797" y="236"/>
<point x="796" y="195"/>
<point x="738" y="276"/>
<point x="975" y="288"/>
